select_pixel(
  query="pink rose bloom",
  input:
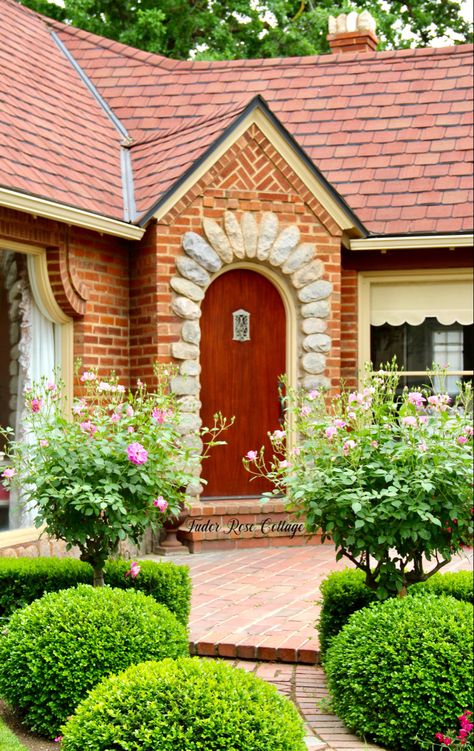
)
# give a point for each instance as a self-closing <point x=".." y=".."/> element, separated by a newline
<point x="422" y="446"/>
<point x="351" y="415"/>
<point x="414" y="397"/>
<point x="130" y="429"/>
<point x="160" y="503"/>
<point x="88" y="375"/>
<point x="330" y="432"/>
<point x="278" y="435"/>
<point x="340" y="423"/>
<point x="161" y="415"/>
<point x="88" y="427"/>
<point x="136" y="453"/>
<point x="313" y="394"/>
<point x="8" y="473"/>
<point x="348" y="446"/>
<point x="115" y="417"/>
<point x="134" y="570"/>
<point x="120" y="388"/>
<point x="79" y="407"/>
<point x="284" y="464"/>
<point x="410" y="421"/>
<point x="462" y="439"/>
<point x="58" y="738"/>
<point x="374" y="444"/>
<point x="51" y="386"/>
<point x="251" y="455"/>
<point x="469" y="430"/>
<point x="439" y="401"/>
<point x="423" y="419"/>
<point x="305" y="411"/>
<point x="129" y="410"/>
<point x="36" y="404"/>
<point x="44" y="443"/>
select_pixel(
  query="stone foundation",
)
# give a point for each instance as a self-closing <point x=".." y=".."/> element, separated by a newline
<point x="26" y="543"/>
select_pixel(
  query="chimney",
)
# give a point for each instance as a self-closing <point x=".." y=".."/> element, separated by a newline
<point x="352" y="33"/>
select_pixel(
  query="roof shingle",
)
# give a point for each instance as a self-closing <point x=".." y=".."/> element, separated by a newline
<point x="391" y="131"/>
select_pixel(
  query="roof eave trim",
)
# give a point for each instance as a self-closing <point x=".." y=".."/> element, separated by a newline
<point x="412" y="242"/>
<point x="11" y="199"/>
<point x="258" y="113"/>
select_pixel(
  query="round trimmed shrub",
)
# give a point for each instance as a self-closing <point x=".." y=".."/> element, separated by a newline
<point x="186" y="704"/>
<point x="56" y="649"/>
<point x="402" y="669"/>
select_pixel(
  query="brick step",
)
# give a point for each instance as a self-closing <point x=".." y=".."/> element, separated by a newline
<point x="227" y="524"/>
<point x="236" y="647"/>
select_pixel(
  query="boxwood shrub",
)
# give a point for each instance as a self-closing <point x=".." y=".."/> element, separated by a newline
<point x="344" y="592"/>
<point x="23" y="580"/>
<point x="54" y="650"/>
<point x="187" y="704"/>
<point x="402" y="669"/>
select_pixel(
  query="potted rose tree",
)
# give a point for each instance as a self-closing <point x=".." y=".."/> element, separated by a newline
<point x="386" y="473"/>
<point x="111" y="466"/>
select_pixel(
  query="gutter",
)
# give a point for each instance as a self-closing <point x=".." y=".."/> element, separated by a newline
<point x="12" y="199"/>
<point x="411" y="242"/>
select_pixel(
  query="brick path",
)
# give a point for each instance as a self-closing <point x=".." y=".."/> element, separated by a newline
<point x="305" y="686"/>
<point x="260" y="605"/>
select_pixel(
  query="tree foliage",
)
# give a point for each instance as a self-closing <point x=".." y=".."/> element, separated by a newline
<point x="217" y="29"/>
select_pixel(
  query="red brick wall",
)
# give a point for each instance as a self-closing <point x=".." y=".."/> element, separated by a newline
<point x="93" y="266"/>
<point x="251" y="176"/>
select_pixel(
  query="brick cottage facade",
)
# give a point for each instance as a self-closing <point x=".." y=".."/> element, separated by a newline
<point x="148" y="207"/>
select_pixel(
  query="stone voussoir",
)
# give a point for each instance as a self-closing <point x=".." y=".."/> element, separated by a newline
<point x="218" y="239"/>
<point x="185" y="308"/>
<point x="234" y="233"/>
<point x="315" y="291"/>
<point x="298" y="257"/>
<point x="317" y="343"/>
<point x="286" y="241"/>
<point x="249" y="227"/>
<point x="199" y="250"/>
<point x="193" y="271"/>
<point x="187" y="289"/>
<point x="307" y="274"/>
<point x="267" y="235"/>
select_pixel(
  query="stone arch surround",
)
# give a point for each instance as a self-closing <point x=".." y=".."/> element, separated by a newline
<point x="276" y="251"/>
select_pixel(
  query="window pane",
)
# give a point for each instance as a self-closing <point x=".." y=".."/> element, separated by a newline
<point x="418" y="347"/>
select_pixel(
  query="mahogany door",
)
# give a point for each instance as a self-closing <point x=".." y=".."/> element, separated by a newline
<point x="242" y="357"/>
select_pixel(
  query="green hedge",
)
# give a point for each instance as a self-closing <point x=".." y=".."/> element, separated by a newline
<point x="401" y="670"/>
<point x="55" y="650"/>
<point x="23" y="580"/>
<point x="344" y="592"/>
<point x="186" y="704"/>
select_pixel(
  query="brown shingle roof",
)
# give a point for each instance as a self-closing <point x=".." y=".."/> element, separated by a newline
<point x="391" y="131"/>
<point x="56" y="142"/>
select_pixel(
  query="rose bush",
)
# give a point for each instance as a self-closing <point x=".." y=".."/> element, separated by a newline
<point x="386" y="474"/>
<point x="108" y="467"/>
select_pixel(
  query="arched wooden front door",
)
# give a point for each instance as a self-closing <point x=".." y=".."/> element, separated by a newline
<point x="242" y="356"/>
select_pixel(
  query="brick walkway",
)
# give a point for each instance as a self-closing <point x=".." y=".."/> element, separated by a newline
<point x="260" y="605"/>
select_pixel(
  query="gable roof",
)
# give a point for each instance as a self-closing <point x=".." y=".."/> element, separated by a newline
<point x="390" y="131"/>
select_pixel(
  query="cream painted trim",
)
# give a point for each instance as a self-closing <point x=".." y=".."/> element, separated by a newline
<point x="19" y="536"/>
<point x="290" y="315"/>
<point x="366" y="279"/>
<point x="258" y="117"/>
<point x="411" y="242"/>
<point x="76" y="217"/>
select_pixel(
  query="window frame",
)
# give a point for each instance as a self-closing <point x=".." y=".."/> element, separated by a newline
<point x="368" y="278"/>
